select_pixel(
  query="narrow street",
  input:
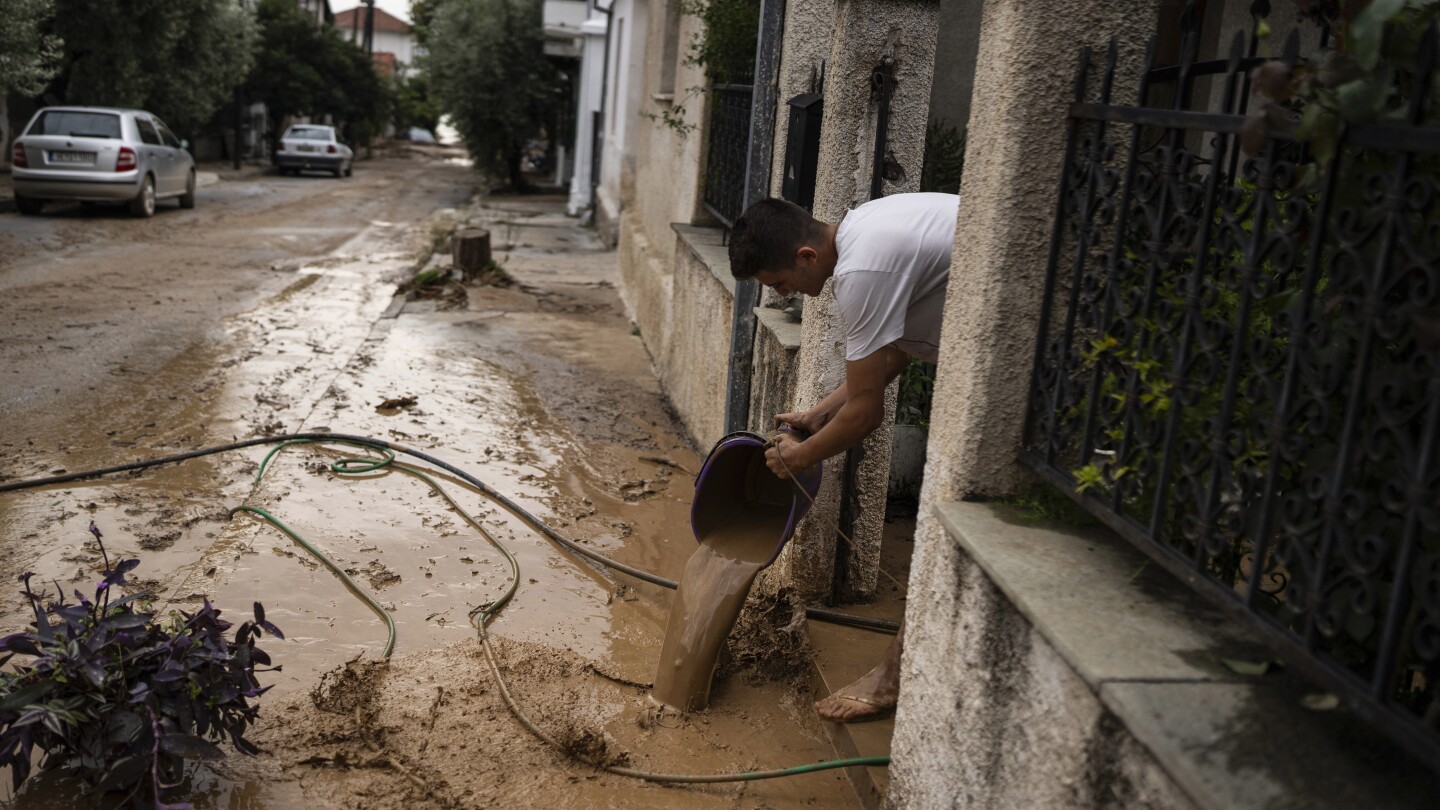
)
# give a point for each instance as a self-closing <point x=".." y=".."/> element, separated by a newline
<point x="271" y="308"/>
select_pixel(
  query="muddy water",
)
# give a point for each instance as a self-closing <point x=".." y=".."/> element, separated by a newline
<point x="713" y="589"/>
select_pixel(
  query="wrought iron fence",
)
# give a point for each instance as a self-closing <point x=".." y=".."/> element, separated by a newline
<point x="729" y="137"/>
<point x="1238" y="370"/>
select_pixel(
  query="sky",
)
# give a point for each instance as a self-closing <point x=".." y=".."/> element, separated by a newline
<point x="398" y="8"/>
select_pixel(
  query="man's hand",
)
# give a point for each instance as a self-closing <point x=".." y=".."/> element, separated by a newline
<point x="785" y="455"/>
<point x="808" y="422"/>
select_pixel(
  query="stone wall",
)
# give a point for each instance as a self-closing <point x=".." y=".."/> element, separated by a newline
<point x="695" y="362"/>
<point x="865" y="34"/>
<point x="1020" y="728"/>
<point x="674" y="298"/>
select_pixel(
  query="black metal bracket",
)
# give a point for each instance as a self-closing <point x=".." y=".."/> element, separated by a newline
<point x="882" y="86"/>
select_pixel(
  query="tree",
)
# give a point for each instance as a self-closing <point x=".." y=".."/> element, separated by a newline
<point x="285" y="77"/>
<point x="29" y="57"/>
<point x="488" y="71"/>
<point x="414" y="105"/>
<point x="354" y="95"/>
<point x="181" y="61"/>
<point x="304" y="70"/>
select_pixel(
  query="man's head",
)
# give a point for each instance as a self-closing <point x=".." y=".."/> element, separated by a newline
<point x="780" y="245"/>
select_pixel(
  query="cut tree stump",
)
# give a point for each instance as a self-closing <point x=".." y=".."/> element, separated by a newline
<point x="471" y="251"/>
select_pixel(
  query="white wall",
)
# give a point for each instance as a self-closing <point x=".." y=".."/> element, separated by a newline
<point x="592" y="67"/>
<point x="622" y="103"/>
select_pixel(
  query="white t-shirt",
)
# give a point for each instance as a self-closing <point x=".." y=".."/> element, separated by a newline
<point x="894" y="263"/>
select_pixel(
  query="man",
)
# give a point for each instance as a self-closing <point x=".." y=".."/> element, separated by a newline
<point x="890" y="262"/>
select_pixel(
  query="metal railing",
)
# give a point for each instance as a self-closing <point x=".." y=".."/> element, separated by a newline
<point x="729" y="139"/>
<point x="1238" y="370"/>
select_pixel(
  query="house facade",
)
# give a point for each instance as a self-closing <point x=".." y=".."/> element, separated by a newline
<point x="393" y="42"/>
<point x="1178" y="645"/>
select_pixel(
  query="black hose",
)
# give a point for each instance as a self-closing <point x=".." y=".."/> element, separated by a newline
<point x="817" y="613"/>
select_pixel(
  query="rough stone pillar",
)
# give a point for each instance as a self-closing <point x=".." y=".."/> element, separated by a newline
<point x="865" y="34"/>
<point x="809" y="27"/>
<point x="1022" y="90"/>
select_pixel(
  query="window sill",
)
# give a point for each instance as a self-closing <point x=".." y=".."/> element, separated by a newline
<point x="777" y="323"/>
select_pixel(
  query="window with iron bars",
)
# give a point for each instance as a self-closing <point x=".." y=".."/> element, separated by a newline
<point x="1238" y="364"/>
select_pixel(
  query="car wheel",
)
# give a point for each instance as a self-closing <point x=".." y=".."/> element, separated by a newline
<point x="29" y="205"/>
<point x="350" y="169"/>
<point x="144" y="203"/>
<point x="338" y="171"/>
<point x="187" y="200"/>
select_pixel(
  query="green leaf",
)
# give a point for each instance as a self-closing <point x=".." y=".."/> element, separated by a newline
<point x="26" y="695"/>
<point x="1308" y="120"/>
<point x="1368" y="30"/>
<point x="1361" y="100"/>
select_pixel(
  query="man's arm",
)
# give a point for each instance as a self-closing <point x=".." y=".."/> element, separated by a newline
<point x="862" y="412"/>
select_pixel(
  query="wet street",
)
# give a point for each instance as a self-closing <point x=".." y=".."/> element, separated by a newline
<point x="272" y="308"/>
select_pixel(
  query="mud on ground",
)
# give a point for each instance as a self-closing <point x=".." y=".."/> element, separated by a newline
<point x="541" y="389"/>
<point x="430" y="729"/>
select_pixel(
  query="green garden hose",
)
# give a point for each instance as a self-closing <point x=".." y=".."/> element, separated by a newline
<point x="334" y="569"/>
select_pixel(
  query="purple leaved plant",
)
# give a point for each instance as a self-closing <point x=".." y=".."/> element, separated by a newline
<point x="124" y="699"/>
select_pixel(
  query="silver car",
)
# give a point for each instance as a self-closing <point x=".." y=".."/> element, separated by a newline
<point x="314" y="146"/>
<point x="100" y="154"/>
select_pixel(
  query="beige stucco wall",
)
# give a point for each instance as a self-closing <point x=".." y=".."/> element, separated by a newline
<point x="772" y="389"/>
<point x="865" y="32"/>
<point x="646" y="281"/>
<point x="680" y="308"/>
<point x="809" y="26"/>
<point x="668" y="162"/>
<point x="1016" y="726"/>
<point x="694" y="364"/>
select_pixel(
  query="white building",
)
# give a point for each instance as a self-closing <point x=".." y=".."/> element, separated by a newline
<point x="393" y="46"/>
<point x="609" y="97"/>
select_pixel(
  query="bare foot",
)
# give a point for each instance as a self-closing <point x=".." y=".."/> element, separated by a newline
<point x="872" y="695"/>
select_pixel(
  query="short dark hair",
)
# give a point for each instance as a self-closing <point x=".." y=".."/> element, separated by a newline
<point x="767" y="236"/>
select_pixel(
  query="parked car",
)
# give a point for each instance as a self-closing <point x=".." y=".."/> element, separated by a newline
<point x="314" y="146"/>
<point x="100" y="154"/>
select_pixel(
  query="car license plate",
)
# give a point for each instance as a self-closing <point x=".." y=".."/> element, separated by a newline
<point x="304" y="148"/>
<point x="86" y="158"/>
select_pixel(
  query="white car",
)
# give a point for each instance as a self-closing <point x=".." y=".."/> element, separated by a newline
<point x="314" y="146"/>
<point x="100" y="154"/>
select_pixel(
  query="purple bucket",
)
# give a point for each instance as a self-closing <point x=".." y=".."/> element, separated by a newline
<point x="735" y="479"/>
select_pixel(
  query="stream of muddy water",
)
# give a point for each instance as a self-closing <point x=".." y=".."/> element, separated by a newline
<point x="712" y="590"/>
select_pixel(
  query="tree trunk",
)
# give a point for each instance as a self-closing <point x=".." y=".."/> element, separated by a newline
<point x="4" y="128"/>
<point x="517" y="177"/>
<point x="471" y="251"/>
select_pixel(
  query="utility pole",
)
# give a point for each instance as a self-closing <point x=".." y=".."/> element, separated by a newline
<point x="369" y="27"/>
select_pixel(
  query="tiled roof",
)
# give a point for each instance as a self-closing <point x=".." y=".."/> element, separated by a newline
<point x="384" y="21"/>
